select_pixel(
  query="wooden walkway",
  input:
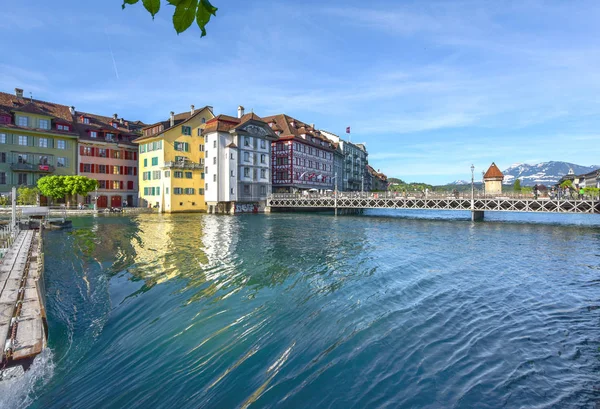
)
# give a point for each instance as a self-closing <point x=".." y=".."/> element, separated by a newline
<point x="23" y="330"/>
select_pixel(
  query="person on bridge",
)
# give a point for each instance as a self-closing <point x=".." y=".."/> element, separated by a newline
<point x="535" y="192"/>
<point x="581" y="193"/>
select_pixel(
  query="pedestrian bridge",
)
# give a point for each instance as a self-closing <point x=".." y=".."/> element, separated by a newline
<point x="477" y="204"/>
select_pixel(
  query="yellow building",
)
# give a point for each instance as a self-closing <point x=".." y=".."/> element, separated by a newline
<point x="171" y="162"/>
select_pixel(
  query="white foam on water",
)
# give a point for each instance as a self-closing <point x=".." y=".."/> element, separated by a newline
<point x="21" y="392"/>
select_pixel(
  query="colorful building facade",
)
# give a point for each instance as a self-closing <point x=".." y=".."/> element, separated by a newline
<point x="37" y="138"/>
<point x="302" y="158"/>
<point x="238" y="163"/>
<point x="171" y="162"/>
<point x="107" y="153"/>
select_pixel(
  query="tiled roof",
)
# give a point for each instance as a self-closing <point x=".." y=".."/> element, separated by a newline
<point x="284" y="123"/>
<point x="101" y="123"/>
<point x="493" y="172"/>
<point x="178" y="120"/>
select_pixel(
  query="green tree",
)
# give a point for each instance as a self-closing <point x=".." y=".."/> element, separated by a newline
<point x="517" y="185"/>
<point x="27" y="195"/>
<point x="186" y="11"/>
<point x="567" y="183"/>
<point x="57" y="187"/>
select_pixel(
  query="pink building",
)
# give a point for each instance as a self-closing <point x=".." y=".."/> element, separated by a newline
<point x="107" y="154"/>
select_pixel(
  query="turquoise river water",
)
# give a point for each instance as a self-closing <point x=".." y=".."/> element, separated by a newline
<point x="385" y="310"/>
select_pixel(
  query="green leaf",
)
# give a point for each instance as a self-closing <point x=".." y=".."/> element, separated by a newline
<point x="184" y="15"/>
<point x="152" y="6"/>
<point x="128" y="2"/>
<point x="209" y="7"/>
<point x="174" y="2"/>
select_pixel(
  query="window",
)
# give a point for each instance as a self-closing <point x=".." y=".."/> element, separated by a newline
<point x="190" y="191"/>
<point x="263" y="158"/>
<point x="116" y="154"/>
<point x="201" y="191"/>
<point x="203" y="120"/>
<point x="186" y="130"/>
<point x="180" y="158"/>
<point x="43" y="160"/>
<point x="232" y="175"/>
<point x="232" y="191"/>
<point x="214" y="144"/>
<point x="246" y="141"/>
<point x="188" y="175"/>
<point x="2" y="157"/>
<point x="206" y="186"/>
<point x="263" y="190"/>
<point x="177" y="191"/>
<point x="87" y="168"/>
<point x="22" y="178"/>
<point x="61" y="144"/>
<point x="246" y="189"/>
<point x="155" y="161"/>
<point x="263" y="144"/>
<point x="43" y="142"/>
<point x="44" y="124"/>
<point x="167" y="173"/>
<point x="167" y="190"/>
<point x="114" y="124"/>
<point x="246" y="172"/>
<point x="101" y="153"/>
<point x="214" y="178"/>
<point x="156" y="175"/>
<point x="22" y="140"/>
<point x="263" y="173"/>
<point x="2" y="138"/>
<point x="178" y="174"/>
<point x="102" y="184"/>
<point x="246" y="157"/>
<point x="61" y="162"/>
<point x="22" y="120"/>
<point x="116" y="185"/>
<point x="181" y="146"/>
<point x="2" y="178"/>
<point x="101" y="168"/>
<point x="86" y="120"/>
<point x="215" y="160"/>
<point x="109" y="136"/>
<point x="145" y="162"/>
<point x="62" y="127"/>
<point x="231" y="156"/>
<point x="115" y="170"/>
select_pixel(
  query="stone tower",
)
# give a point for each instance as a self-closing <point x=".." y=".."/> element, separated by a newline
<point x="493" y="180"/>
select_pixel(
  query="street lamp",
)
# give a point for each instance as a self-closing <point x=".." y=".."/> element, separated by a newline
<point x="472" y="187"/>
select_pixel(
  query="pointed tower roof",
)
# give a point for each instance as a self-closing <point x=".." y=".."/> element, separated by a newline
<point x="493" y="173"/>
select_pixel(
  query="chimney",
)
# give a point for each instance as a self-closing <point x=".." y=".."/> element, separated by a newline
<point x="19" y="92"/>
<point x="240" y="111"/>
<point x="121" y="120"/>
<point x="72" y="110"/>
<point x="192" y="109"/>
<point x="172" y="118"/>
<point x="312" y="126"/>
<point x="115" y="117"/>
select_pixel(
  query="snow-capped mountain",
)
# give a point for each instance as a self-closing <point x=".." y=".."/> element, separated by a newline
<point x="460" y="182"/>
<point x="545" y="173"/>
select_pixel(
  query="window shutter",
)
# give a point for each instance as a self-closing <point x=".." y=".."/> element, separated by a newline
<point x="134" y="171"/>
<point x="134" y="155"/>
<point x="121" y="185"/>
<point x="81" y="167"/>
<point x="108" y="153"/>
<point x="81" y="150"/>
<point x="92" y="151"/>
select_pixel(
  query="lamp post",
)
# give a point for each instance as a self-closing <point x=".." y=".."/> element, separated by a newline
<point x="472" y="187"/>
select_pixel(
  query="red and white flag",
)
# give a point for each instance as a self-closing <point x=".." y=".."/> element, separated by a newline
<point x="347" y="129"/>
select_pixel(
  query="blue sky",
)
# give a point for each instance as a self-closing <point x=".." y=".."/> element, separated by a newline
<point x="430" y="86"/>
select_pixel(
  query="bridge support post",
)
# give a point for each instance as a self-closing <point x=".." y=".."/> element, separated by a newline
<point x="476" y="215"/>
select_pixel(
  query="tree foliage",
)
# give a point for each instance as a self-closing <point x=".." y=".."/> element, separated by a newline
<point x="61" y="186"/>
<point x="567" y="183"/>
<point x="517" y="185"/>
<point x="27" y="195"/>
<point x="186" y="11"/>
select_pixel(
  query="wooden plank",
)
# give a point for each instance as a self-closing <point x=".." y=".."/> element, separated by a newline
<point x="29" y="340"/>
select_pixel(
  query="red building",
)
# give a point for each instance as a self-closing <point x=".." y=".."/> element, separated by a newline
<point x="107" y="154"/>
<point x="301" y="158"/>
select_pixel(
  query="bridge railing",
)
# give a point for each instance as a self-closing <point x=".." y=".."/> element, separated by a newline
<point x="430" y="195"/>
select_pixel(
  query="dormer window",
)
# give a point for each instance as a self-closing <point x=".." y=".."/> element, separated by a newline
<point x="62" y="127"/>
<point x="93" y="134"/>
<point x="85" y="119"/>
<point x="114" y="124"/>
<point x="22" y="121"/>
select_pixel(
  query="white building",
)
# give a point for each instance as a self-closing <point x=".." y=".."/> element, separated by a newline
<point x="238" y="163"/>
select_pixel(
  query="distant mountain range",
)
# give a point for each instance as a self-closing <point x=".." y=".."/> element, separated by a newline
<point x="545" y="173"/>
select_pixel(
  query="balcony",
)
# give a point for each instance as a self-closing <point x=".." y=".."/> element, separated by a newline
<point x="30" y="167"/>
<point x="183" y="165"/>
